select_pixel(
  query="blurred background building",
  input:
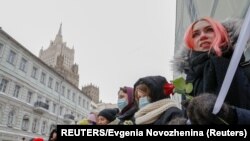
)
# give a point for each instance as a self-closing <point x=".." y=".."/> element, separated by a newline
<point x="37" y="94"/>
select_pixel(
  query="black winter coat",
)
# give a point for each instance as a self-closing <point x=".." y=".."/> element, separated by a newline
<point x="128" y="115"/>
<point x="168" y="115"/>
<point x="207" y="73"/>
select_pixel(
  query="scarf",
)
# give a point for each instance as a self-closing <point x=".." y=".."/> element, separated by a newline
<point x="151" y="112"/>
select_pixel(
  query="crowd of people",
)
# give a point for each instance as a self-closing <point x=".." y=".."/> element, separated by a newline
<point x="204" y="58"/>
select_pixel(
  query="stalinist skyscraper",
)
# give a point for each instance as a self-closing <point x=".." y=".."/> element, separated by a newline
<point x="61" y="58"/>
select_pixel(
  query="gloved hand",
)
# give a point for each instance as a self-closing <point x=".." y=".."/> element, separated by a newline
<point x="199" y="111"/>
<point x="128" y="122"/>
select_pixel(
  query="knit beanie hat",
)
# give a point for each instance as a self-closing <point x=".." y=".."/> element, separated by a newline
<point x="109" y="114"/>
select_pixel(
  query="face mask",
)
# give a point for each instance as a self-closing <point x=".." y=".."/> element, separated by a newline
<point x="143" y="102"/>
<point x="122" y="103"/>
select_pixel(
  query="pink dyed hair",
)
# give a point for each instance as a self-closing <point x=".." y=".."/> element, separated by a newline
<point x="221" y="35"/>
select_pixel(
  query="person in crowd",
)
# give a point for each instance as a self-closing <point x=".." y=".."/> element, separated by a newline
<point x="155" y="106"/>
<point x="126" y="105"/>
<point x="210" y="45"/>
<point x="107" y="117"/>
<point x="53" y="135"/>
<point x="205" y="59"/>
<point x="84" y="121"/>
<point x="92" y="119"/>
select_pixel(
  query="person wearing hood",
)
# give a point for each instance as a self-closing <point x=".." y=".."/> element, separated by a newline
<point x="209" y="48"/>
<point x="126" y="105"/>
<point x="155" y="106"/>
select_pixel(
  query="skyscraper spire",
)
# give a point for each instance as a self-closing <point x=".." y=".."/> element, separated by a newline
<point x="58" y="38"/>
<point x="60" y="30"/>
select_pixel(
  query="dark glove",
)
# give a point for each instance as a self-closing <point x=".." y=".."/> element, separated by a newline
<point x="199" y="111"/>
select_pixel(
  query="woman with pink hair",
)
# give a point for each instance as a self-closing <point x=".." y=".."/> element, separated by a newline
<point x="205" y="59"/>
<point x="205" y="35"/>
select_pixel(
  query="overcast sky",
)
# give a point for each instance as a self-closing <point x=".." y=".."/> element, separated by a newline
<point x="116" y="42"/>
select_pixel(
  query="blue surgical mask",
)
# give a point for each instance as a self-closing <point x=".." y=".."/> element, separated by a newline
<point x="143" y="101"/>
<point x="122" y="103"/>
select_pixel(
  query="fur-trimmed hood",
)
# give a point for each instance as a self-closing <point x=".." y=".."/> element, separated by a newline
<point x="182" y="55"/>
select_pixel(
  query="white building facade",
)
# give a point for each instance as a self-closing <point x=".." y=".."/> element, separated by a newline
<point x="34" y="98"/>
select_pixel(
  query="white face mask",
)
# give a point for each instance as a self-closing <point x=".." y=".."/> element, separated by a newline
<point x="143" y="101"/>
<point x="122" y="103"/>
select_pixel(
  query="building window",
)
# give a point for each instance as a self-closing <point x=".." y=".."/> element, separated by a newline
<point x="23" y="65"/>
<point x="68" y="94"/>
<point x="43" y="76"/>
<point x="11" y="57"/>
<point x="10" y="121"/>
<point x="29" y="97"/>
<point x="57" y="86"/>
<point x="39" y="98"/>
<point x="61" y="110"/>
<point x="35" y="125"/>
<point x="54" y="108"/>
<point x="63" y="89"/>
<point x="1" y="48"/>
<point x="47" y="101"/>
<point x="50" y="82"/>
<point x="88" y="105"/>
<point x="3" y="85"/>
<point x="25" y="123"/>
<point x="34" y="72"/>
<point x="79" y="102"/>
<point x="73" y="97"/>
<point x="16" y="91"/>
<point x="83" y="103"/>
<point x="44" y="128"/>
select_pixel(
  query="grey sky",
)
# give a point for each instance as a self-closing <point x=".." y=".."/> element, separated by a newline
<point x="116" y="42"/>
